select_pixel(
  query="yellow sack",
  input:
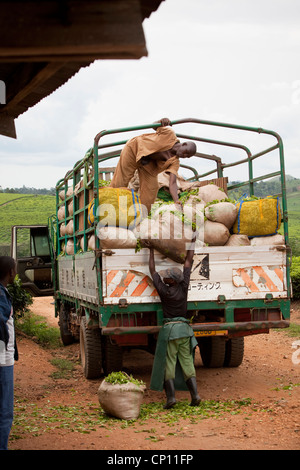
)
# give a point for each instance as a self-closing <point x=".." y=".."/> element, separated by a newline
<point x="118" y="207"/>
<point x="260" y="217"/>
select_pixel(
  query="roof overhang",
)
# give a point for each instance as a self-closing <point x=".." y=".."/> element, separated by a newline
<point x="44" y="43"/>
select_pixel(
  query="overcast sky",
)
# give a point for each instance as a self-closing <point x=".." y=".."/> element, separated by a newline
<point x="234" y="61"/>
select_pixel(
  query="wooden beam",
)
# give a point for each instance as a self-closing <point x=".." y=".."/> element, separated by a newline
<point x="44" y="74"/>
<point x="7" y="125"/>
<point x="91" y="29"/>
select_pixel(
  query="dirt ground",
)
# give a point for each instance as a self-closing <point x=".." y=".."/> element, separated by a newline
<point x="269" y="376"/>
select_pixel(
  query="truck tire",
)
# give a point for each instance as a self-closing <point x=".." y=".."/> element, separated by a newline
<point x="90" y="350"/>
<point x="112" y="356"/>
<point x="212" y="351"/>
<point x="65" y="334"/>
<point x="234" y="353"/>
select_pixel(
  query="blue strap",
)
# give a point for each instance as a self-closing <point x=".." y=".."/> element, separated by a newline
<point x="278" y="211"/>
<point x="239" y="216"/>
<point x="135" y="213"/>
<point x="140" y="209"/>
<point x="243" y="197"/>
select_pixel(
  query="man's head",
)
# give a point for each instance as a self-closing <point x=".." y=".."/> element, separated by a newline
<point x="7" y="270"/>
<point x="185" y="149"/>
<point x="171" y="276"/>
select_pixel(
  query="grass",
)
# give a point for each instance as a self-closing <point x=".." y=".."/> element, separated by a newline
<point x="293" y="330"/>
<point x="37" y="328"/>
<point x="293" y="203"/>
<point x="64" y="368"/>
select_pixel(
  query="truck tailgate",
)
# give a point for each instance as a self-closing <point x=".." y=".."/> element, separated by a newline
<point x="233" y="272"/>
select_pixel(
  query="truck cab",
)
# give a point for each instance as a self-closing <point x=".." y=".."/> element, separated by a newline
<point x="30" y="248"/>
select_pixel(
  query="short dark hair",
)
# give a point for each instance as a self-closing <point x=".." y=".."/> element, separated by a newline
<point x="6" y="264"/>
<point x="192" y="147"/>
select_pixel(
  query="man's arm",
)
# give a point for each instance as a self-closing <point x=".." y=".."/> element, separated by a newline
<point x="174" y="189"/>
<point x="151" y="262"/>
<point x="190" y="254"/>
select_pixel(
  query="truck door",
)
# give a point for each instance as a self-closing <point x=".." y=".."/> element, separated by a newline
<point x="30" y="247"/>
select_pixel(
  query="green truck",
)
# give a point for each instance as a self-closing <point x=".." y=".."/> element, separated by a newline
<point x="106" y="299"/>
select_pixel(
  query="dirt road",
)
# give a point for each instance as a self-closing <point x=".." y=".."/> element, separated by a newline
<point x="53" y="413"/>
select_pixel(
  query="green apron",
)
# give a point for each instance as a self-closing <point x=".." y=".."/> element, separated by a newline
<point x="170" y="331"/>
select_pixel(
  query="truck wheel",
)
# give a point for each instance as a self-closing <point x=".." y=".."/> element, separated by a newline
<point x="90" y="350"/>
<point x="65" y="334"/>
<point x="112" y="356"/>
<point x="234" y="352"/>
<point x="212" y="351"/>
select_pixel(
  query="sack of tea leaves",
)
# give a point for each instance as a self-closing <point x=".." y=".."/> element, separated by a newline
<point x="258" y="217"/>
<point x="90" y="243"/>
<point x="62" y="230"/>
<point x="170" y="230"/>
<point x="69" y="248"/>
<point x="118" y="207"/>
<point x="238" y="240"/>
<point x="211" y="192"/>
<point x="223" y="212"/>
<point x="62" y="193"/>
<point x="120" y="396"/>
<point x="215" y="234"/>
<point x="116" y="237"/>
<point x="70" y="227"/>
<point x="272" y="240"/>
<point x="61" y="213"/>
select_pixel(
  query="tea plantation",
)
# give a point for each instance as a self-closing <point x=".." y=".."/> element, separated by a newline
<point x="22" y="209"/>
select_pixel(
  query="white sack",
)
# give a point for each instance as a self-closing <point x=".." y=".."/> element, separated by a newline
<point x="215" y="234"/>
<point x="116" y="237"/>
<point x="70" y="208"/>
<point x="272" y="240"/>
<point x="62" y="230"/>
<point x="121" y="400"/>
<point x="211" y="192"/>
<point x="223" y="212"/>
<point x="61" y="213"/>
<point x="70" y="227"/>
<point x="238" y="240"/>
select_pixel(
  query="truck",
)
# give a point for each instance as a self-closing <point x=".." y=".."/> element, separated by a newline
<point x="105" y="298"/>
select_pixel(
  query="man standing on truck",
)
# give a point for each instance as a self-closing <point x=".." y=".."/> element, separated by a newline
<point x="151" y="154"/>
<point x="174" y="355"/>
<point x="8" y="351"/>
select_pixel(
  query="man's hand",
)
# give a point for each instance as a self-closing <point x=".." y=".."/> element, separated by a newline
<point x="165" y="122"/>
<point x="179" y="205"/>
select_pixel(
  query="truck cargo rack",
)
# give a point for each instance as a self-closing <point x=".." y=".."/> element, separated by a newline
<point x="86" y="173"/>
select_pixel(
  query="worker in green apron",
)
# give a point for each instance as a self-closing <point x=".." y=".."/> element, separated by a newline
<point x="173" y="366"/>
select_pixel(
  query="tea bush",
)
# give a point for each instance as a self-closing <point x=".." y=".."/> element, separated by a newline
<point x="295" y="276"/>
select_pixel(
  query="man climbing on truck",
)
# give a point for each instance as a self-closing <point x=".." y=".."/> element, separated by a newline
<point x="151" y="154"/>
<point x="173" y="366"/>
